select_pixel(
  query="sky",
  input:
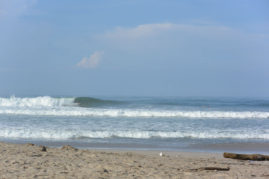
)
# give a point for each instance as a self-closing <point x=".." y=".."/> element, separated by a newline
<point x="134" y="48"/>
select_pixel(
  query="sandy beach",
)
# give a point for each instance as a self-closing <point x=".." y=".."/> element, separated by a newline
<point x="34" y="161"/>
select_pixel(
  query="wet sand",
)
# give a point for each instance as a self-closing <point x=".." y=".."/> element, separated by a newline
<point x="246" y="147"/>
<point x="29" y="161"/>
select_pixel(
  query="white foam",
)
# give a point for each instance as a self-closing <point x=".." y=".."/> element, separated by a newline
<point x="67" y="134"/>
<point x="43" y="101"/>
<point x="75" y="111"/>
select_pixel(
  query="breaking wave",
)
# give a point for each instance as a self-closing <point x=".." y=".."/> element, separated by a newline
<point x="86" y="106"/>
<point x="64" y="134"/>
<point x="134" y="113"/>
<point x="47" y="101"/>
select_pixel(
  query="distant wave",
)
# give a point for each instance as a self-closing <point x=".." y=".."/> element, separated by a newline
<point x="213" y="102"/>
<point x="47" y="101"/>
<point x="67" y="134"/>
<point x="93" y="102"/>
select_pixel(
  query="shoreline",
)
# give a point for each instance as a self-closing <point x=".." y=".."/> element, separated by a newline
<point x="236" y="147"/>
<point x="29" y="161"/>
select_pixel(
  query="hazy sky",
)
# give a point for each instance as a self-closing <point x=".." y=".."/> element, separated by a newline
<point x="134" y="47"/>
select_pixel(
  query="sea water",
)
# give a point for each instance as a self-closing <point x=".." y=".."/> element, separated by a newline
<point x="134" y="122"/>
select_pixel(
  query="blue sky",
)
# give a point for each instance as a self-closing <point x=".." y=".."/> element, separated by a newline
<point x="134" y="47"/>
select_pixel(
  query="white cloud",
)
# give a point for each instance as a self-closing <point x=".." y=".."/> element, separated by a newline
<point x="92" y="61"/>
<point x="173" y="38"/>
<point x="147" y="30"/>
<point x="182" y="42"/>
<point x="139" y="31"/>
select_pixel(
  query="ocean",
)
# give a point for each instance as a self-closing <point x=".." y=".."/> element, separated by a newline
<point x="155" y="123"/>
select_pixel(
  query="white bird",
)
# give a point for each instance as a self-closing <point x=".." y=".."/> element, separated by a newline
<point x="161" y="154"/>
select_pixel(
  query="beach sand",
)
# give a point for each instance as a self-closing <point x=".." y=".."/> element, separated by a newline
<point x="29" y="161"/>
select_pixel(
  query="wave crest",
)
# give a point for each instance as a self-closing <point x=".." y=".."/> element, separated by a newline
<point x="42" y="101"/>
<point x="93" y="102"/>
<point x="47" y="101"/>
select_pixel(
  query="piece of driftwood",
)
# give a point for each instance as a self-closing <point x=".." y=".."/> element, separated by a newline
<point x="257" y="157"/>
<point x="216" y="168"/>
<point x="212" y="168"/>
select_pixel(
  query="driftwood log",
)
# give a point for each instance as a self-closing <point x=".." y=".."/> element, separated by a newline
<point x="212" y="168"/>
<point x="257" y="157"/>
<point x="215" y="168"/>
